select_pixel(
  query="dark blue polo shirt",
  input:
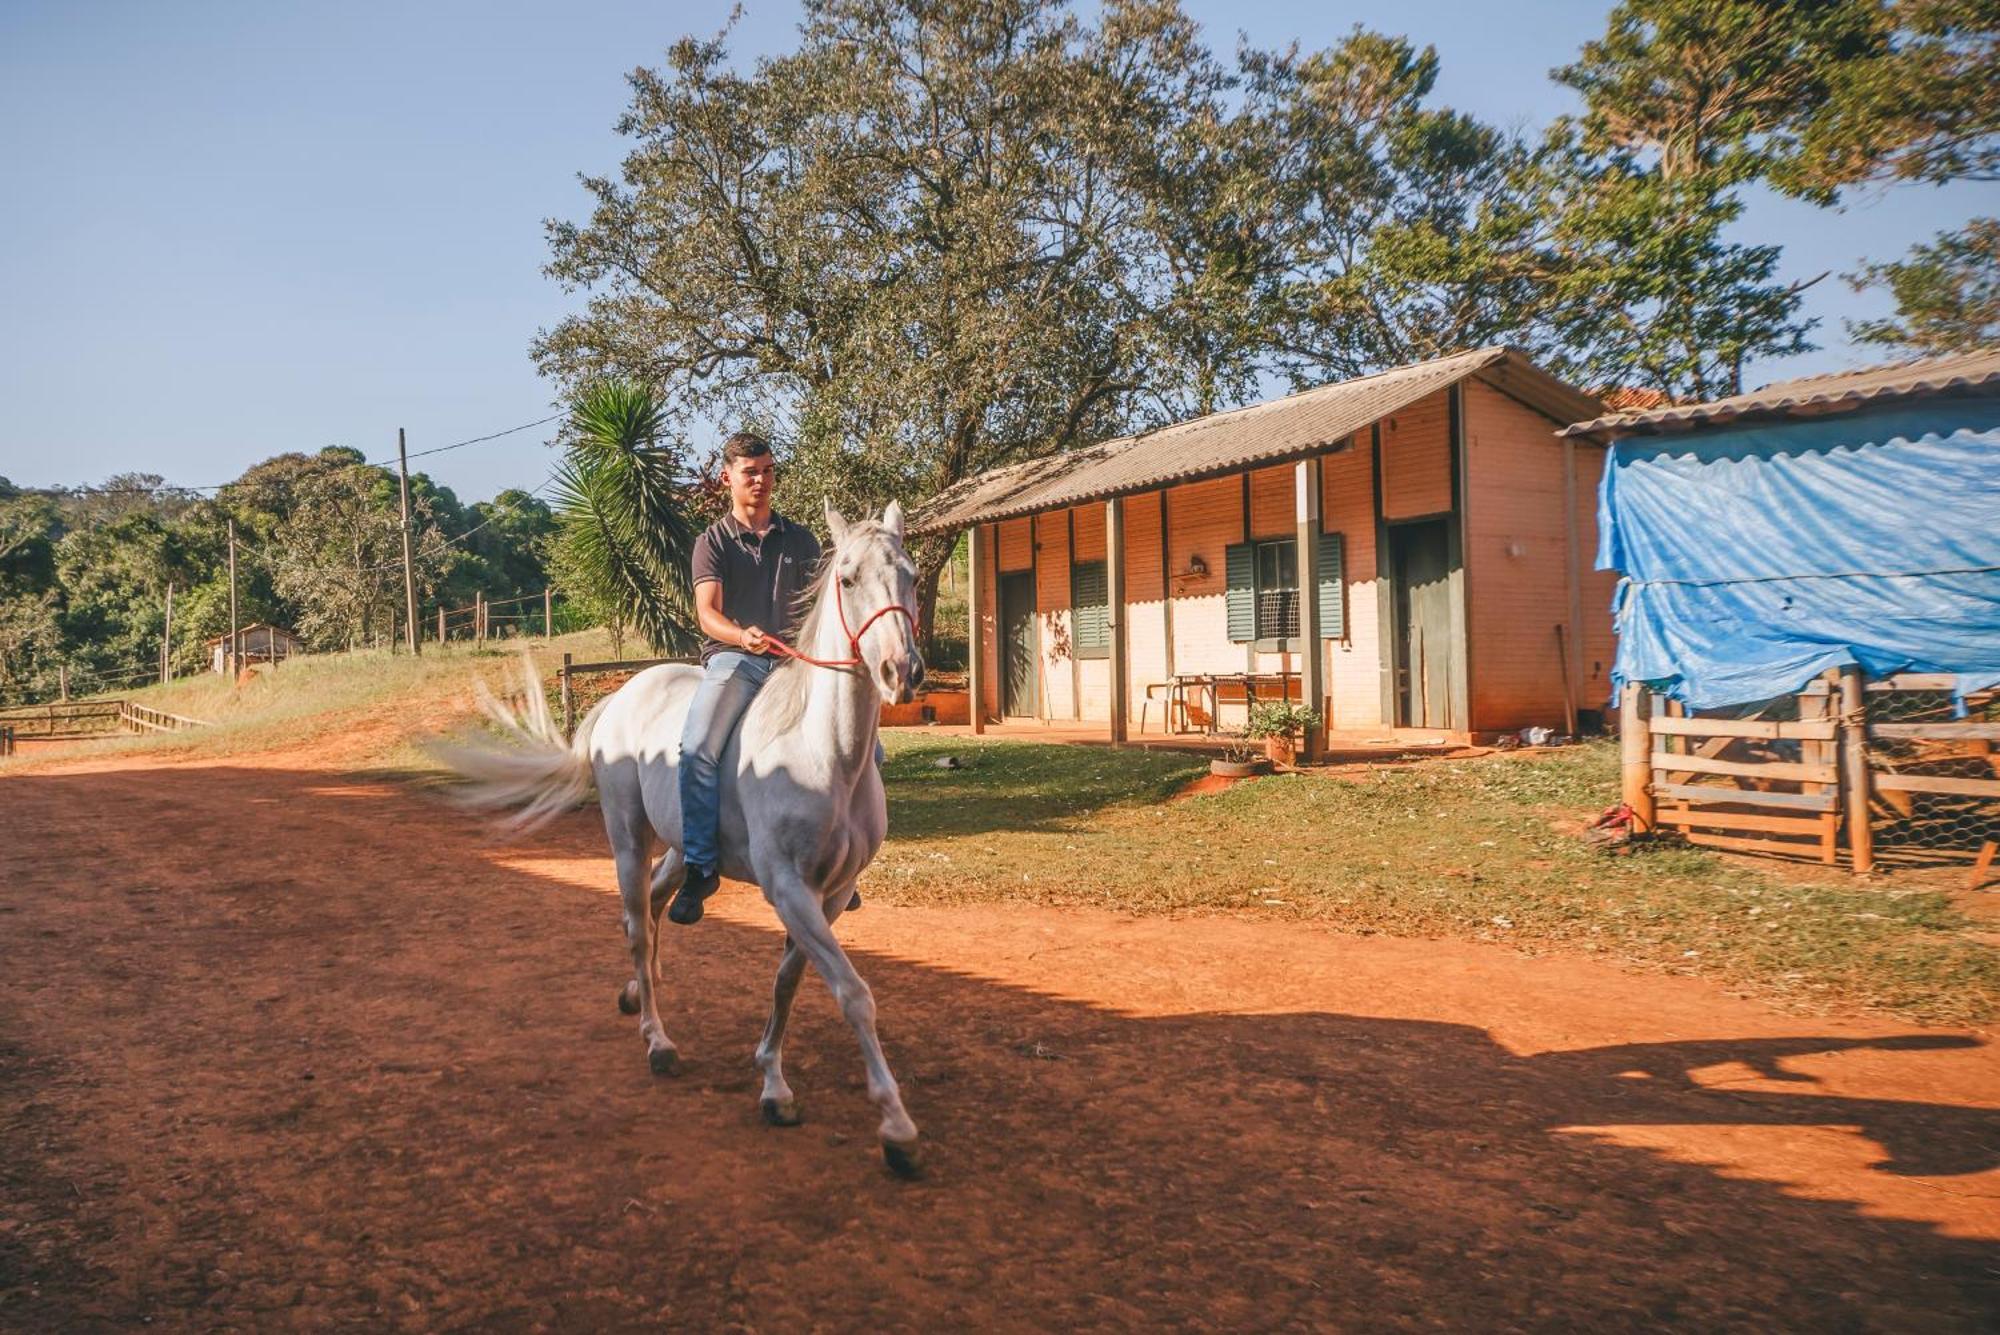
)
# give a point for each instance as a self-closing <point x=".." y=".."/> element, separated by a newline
<point x="761" y="578"/>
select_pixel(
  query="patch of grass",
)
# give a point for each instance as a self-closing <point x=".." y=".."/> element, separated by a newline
<point x="319" y="695"/>
<point x="1018" y="786"/>
<point x="1474" y="849"/>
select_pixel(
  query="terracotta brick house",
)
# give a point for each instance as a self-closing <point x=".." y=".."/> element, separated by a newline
<point x="1410" y="551"/>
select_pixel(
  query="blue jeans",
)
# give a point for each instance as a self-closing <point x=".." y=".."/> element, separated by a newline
<point x="729" y="682"/>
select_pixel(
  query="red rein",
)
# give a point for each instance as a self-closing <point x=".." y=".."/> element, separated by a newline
<point x="784" y="650"/>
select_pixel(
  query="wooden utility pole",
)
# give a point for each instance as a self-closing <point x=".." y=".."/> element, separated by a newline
<point x="548" y="613"/>
<point x="409" y="569"/>
<point x="235" y="640"/>
<point x="440" y="629"/>
<point x="479" y="618"/>
<point x="167" y="639"/>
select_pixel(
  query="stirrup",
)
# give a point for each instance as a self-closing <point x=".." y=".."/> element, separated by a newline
<point x="696" y="886"/>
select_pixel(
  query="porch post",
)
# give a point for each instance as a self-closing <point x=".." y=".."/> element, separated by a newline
<point x="1312" y="659"/>
<point x="1114" y="597"/>
<point x="975" y="638"/>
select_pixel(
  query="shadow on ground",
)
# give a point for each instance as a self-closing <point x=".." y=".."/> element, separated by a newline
<point x="291" y="1049"/>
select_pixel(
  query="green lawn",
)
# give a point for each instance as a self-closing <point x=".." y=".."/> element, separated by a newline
<point x="1481" y="849"/>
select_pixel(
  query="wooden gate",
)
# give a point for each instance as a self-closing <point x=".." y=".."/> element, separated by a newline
<point x="1904" y="761"/>
<point x="1766" y="780"/>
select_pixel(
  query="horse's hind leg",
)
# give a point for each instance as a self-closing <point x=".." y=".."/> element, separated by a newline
<point x="667" y="875"/>
<point x="780" y="1107"/>
<point x="802" y="912"/>
<point x="629" y="844"/>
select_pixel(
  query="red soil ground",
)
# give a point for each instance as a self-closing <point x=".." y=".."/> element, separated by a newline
<point x="286" y="1044"/>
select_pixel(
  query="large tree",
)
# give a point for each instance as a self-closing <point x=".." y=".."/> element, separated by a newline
<point x="902" y="249"/>
<point x="1947" y="293"/>
<point x="1413" y="230"/>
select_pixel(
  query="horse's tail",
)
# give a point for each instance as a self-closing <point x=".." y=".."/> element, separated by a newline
<point x="528" y="771"/>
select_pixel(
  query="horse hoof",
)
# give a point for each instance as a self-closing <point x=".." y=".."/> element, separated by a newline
<point x="903" y="1159"/>
<point x="782" y="1114"/>
<point x="664" y="1061"/>
<point x="628" y="998"/>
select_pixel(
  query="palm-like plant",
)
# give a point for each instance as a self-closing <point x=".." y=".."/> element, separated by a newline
<point x="621" y="527"/>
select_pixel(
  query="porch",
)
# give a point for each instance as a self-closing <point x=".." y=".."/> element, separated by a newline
<point x="1339" y="748"/>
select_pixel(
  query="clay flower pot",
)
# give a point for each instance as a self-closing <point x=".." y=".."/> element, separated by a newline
<point x="1281" y="750"/>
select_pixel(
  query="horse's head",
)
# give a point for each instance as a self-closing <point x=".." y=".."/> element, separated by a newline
<point x="876" y="584"/>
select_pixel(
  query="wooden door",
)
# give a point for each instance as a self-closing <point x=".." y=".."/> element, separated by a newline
<point x="1020" y="646"/>
<point x="1425" y="654"/>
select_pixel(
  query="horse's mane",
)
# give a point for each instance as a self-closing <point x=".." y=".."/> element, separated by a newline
<point x="782" y="702"/>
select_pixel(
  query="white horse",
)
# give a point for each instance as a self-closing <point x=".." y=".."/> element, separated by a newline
<point x="802" y="805"/>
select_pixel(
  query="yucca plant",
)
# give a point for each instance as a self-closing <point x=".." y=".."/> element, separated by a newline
<point x="622" y="530"/>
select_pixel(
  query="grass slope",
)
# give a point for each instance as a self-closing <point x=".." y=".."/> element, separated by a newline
<point x="1478" y="849"/>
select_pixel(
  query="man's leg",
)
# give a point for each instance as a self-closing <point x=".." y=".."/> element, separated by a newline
<point x="728" y="684"/>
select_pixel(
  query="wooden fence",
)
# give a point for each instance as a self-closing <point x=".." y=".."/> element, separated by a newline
<point x="74" y="721"/>
<point x="571" y="670"/>
<point x="1900" y="763"/>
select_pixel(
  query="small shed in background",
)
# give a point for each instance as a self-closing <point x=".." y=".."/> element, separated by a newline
<point x="1809" y="611"/>
<point x="1407" y="552"/>
<point x="260" y="644"/>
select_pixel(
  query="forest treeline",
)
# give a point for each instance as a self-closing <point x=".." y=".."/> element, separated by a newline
<point x="84" y="571"/>
<point x="932" y="239"/>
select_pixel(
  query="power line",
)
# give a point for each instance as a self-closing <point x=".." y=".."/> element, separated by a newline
<point x="375" y="463"/>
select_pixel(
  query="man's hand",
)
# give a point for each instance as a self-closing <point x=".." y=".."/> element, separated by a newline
<point x="755" y="641"/>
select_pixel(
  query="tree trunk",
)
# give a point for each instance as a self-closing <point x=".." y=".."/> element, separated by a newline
<point x="932" y="556"/>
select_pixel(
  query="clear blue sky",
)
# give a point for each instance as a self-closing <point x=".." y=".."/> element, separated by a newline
<point x="233" y="229"/>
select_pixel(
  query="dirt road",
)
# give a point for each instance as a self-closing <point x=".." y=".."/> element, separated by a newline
<point x="282" y="1046"/>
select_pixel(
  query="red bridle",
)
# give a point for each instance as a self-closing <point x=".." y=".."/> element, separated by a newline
<point x="783" y="650"/>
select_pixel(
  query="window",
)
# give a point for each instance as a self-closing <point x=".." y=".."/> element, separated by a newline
<point x="1277" y="566"/>
<point x="1263" y="591"/>
<point x="1090" y="606"/>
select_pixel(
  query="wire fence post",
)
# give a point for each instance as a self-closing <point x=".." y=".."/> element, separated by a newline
<point x="548" y="613"/>
<point x="1635" y="751"/>
<point x="1854" y="768"/>
<point x="568" y="702"/>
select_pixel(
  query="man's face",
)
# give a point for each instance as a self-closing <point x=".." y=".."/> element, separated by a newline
<point x="751" y="481"/>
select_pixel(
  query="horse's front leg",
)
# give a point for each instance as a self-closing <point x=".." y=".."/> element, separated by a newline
<point x="780" y="1107"/>
<point x="800" y="908"/>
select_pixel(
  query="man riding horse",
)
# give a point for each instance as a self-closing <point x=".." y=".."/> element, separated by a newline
<point x="750" y="566"/>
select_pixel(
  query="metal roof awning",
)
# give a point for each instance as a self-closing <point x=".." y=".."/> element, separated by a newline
<point x="1294" y="427"/>
<point x="1972" y="372"/>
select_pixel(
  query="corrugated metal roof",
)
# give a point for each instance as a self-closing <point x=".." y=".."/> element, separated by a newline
<point x="1935" y="375"/>
<point x="1292" y="427"/>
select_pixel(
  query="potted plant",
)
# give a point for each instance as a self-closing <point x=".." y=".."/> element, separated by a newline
<point x="1280" y="725"/>
<point x="1239" y="762"/>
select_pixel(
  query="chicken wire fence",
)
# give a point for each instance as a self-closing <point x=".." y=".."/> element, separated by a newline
<point x="1928" y="761"/>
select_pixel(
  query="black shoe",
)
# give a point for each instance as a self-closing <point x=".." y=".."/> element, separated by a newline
<point x="698" y="885"/>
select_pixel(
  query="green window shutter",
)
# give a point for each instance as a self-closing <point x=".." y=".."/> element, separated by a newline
<point x="1090" y="605"/>
<point x="1242" y="594"/>
<point x="1332" y="575"/>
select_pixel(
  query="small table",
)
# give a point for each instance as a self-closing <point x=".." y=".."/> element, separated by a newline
<point x="1211" y="683"/>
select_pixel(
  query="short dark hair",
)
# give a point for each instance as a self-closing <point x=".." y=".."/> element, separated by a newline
<point x="744" y="445"/>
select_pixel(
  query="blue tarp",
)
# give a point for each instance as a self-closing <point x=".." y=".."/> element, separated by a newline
<point x="1755" y="557"/>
